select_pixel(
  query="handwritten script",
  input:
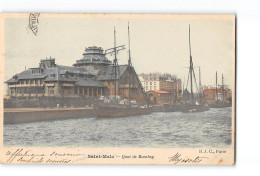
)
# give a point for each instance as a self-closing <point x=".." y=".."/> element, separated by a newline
<point x="177" y="159"/>
<point x="28" y="157"/>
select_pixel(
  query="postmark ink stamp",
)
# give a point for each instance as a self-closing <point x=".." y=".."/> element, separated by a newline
<point x="34" y="22"/>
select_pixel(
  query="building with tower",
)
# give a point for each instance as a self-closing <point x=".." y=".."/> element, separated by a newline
<point x="91" y="76"/>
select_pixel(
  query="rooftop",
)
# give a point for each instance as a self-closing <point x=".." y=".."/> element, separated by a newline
<point x="160" y="92"/>
<point x="109" y="72"/>
<point x="93" y="55"/>
<point x="79" y="75"/>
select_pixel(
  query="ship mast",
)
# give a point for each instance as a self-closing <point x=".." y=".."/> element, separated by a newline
<point x="115" y="67"/>
<point x="200" y="86"/>
<point x="183" y="85"/>
<point x="129" y="65"/>
<point x="191" y="71"/>
<point x="129" y="52"/>
<point x="216" y="85"/>
<point x="223" y="87"/>
<point x="115" y="63"/>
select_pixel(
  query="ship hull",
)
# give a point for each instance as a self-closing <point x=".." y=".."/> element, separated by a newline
<point x="121" y="111"/>
<point x="187" y="108"/>
<point x="220" y="105"/>
<point x="171" y="107"/>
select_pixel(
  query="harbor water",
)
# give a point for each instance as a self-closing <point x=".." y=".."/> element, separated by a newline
<point x="162" y="129"/>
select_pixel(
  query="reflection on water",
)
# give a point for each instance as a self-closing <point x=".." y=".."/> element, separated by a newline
<point x="173" y="129"/>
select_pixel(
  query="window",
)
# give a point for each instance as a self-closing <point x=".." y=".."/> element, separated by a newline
<point x="51" y="90"/>
<point x="12" y="91"/>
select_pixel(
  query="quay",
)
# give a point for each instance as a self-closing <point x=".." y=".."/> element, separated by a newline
<point x="25" y="115"/>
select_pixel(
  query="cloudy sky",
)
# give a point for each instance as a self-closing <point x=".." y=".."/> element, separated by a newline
<point x="158" y="43"/>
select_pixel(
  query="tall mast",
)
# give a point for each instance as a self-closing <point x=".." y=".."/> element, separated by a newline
<point x="217" y="85"/>
<point x="183" y="85"/>
<point x="200" y="89"/>
<point x="129" y="52"/>
<point x="129" y="64"/>
<point x="115" y="59"/>
<point x="191" y="70"/>
<point x="115" y="67"/>
<point x="223" y="87"/>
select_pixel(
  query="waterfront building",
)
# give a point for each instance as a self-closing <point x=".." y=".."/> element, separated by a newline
<point x="158" y="97"/>
<point x="90" y="76"/>
<point x="162" y="82"/>
<point x="212" y="95"/>
<point x="50" y="79"/>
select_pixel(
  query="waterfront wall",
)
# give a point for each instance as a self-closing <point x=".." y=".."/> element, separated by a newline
<point x="47" y="102"/>
<point x="12" y="116"/>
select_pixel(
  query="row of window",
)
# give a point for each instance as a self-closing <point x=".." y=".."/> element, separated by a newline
<point x="27" y="90"/>
<point x="31" y="81"/>
<point x="151" y="83"/>
<point x="151" y="88"/>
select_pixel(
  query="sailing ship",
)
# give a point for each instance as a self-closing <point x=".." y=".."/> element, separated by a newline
<point x="193" y="105"/>
<point x="115" y="108"/>
<point x="220" y="102"/>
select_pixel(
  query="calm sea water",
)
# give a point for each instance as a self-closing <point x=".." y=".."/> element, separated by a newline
<point x="173" y="129"/>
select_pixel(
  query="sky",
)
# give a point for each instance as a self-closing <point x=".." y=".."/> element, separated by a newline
<point x="158" y="43"/>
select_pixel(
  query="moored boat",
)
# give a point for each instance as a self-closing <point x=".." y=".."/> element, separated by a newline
<point x="220" y="101"/>
<point x="194" y="108"/>
<point x="121" y="110"/>
<point x="193" y="105"/>
<point x="114" y="107"/>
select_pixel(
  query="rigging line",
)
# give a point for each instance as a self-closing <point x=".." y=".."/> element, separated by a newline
<point x="195" y="81"/>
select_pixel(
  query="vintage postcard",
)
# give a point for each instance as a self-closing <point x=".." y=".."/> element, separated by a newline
<point x="117" y="89"/>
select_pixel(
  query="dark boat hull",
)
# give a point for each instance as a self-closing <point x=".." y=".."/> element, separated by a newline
<point x="194" y="108"/>
<point x="121" y="111"/>
<point x="171" y="107"/>
<point x="220" y="105"/>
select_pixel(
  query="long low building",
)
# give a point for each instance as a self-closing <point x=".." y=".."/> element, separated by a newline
<point x="91" y="76"/>
<point x="50" y="79"/>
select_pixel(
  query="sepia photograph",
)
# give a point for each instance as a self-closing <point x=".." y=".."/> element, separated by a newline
<point x="117" y="89"/>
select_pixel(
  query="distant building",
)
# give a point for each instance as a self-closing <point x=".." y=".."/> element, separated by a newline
<point x="157" y="97"/>
<point x="211" y="95"/>
<point x="162" y="82"/>
<point x="91" y="76"/>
